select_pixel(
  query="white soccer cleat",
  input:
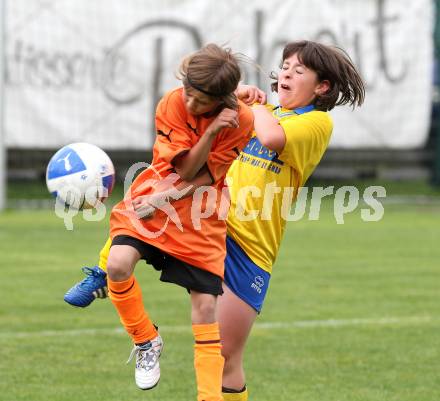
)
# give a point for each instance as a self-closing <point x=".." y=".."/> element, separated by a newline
<point x="147" y="371"/>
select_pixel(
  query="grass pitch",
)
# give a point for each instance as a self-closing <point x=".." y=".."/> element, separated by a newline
<point x="353" y="313"/>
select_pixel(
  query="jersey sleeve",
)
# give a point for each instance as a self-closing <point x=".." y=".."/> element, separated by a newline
<point x="173" y="135"/>
<point x="229" y="144"/>
<point x="307" y="138"/>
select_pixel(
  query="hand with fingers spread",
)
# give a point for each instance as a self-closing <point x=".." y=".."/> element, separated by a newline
<point x="250" y="94"/>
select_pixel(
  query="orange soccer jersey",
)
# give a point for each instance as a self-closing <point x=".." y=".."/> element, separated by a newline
<point x="203" y="244"/>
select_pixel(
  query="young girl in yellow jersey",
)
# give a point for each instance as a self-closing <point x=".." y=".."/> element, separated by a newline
<point x="288" y="142"/>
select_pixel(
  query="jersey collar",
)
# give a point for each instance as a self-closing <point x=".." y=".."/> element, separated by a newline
<point x="280" y="112"/>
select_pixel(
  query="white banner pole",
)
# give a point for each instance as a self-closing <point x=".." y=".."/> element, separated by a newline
<point x="2" y="106"/>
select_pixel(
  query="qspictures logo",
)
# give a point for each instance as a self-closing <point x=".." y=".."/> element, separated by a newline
<point x="206" y="199"/>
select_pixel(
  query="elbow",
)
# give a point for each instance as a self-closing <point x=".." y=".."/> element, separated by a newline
<point x="265" y="141"/>
<point x="269" y="143"/>
<point x="271" y="135"/>
<point x="206" y="180"/>
<point x="273" y="142"/>
<point x="185" y="175"/>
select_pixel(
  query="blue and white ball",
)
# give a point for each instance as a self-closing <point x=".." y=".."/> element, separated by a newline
<point x="80" y="175"/>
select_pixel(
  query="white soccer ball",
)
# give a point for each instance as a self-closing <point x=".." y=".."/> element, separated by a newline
<point x="80" y="175"/>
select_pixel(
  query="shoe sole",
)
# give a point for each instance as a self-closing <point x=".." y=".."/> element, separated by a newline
<point x="149" y="388"/>
<point x="77" y="306"/>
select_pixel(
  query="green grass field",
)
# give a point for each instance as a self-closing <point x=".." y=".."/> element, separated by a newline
<point x="353" y="314"/>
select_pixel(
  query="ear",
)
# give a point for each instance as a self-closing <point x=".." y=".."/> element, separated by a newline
<point x="322" y="88"/>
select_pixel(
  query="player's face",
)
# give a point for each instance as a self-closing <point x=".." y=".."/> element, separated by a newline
<point x="297" y="84"/>
<point x="197" y="103"/>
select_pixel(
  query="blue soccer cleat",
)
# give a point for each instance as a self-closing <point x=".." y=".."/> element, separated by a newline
<point x="93" y="286"/>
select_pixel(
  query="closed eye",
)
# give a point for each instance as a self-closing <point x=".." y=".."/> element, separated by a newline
<point x="201" y="103"/>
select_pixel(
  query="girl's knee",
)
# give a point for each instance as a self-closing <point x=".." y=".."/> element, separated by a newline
<point x="203" y="308"/>
<point x="116" y="269"/>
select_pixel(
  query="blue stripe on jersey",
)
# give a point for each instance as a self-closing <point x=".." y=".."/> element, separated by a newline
<point x="255" y="148"/>
<point x="277" y="111"/>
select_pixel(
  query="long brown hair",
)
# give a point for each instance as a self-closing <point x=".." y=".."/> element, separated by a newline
<point x="214" y="71"/>
<point x="332" y="64"/>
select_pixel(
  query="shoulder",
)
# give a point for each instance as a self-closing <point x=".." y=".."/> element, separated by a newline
<point x="172" y="102"/>
<point x="173" y="97"/>
<point x="318" y="122"/>
<point x="321" y="119"/>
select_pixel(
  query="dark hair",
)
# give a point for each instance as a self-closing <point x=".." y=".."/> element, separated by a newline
<point x="332" y="64"/>
<point x="214" y="71"/>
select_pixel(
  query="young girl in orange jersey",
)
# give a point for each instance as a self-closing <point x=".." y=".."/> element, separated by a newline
<point x="201" y="128"/>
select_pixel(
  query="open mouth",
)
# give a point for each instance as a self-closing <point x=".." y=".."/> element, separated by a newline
<point x="285" y="87"/>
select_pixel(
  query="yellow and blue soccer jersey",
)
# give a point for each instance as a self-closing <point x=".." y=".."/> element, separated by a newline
<point x="260" y="179"/>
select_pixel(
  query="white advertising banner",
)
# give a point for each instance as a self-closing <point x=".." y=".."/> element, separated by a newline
<point x="93" y="71"/>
